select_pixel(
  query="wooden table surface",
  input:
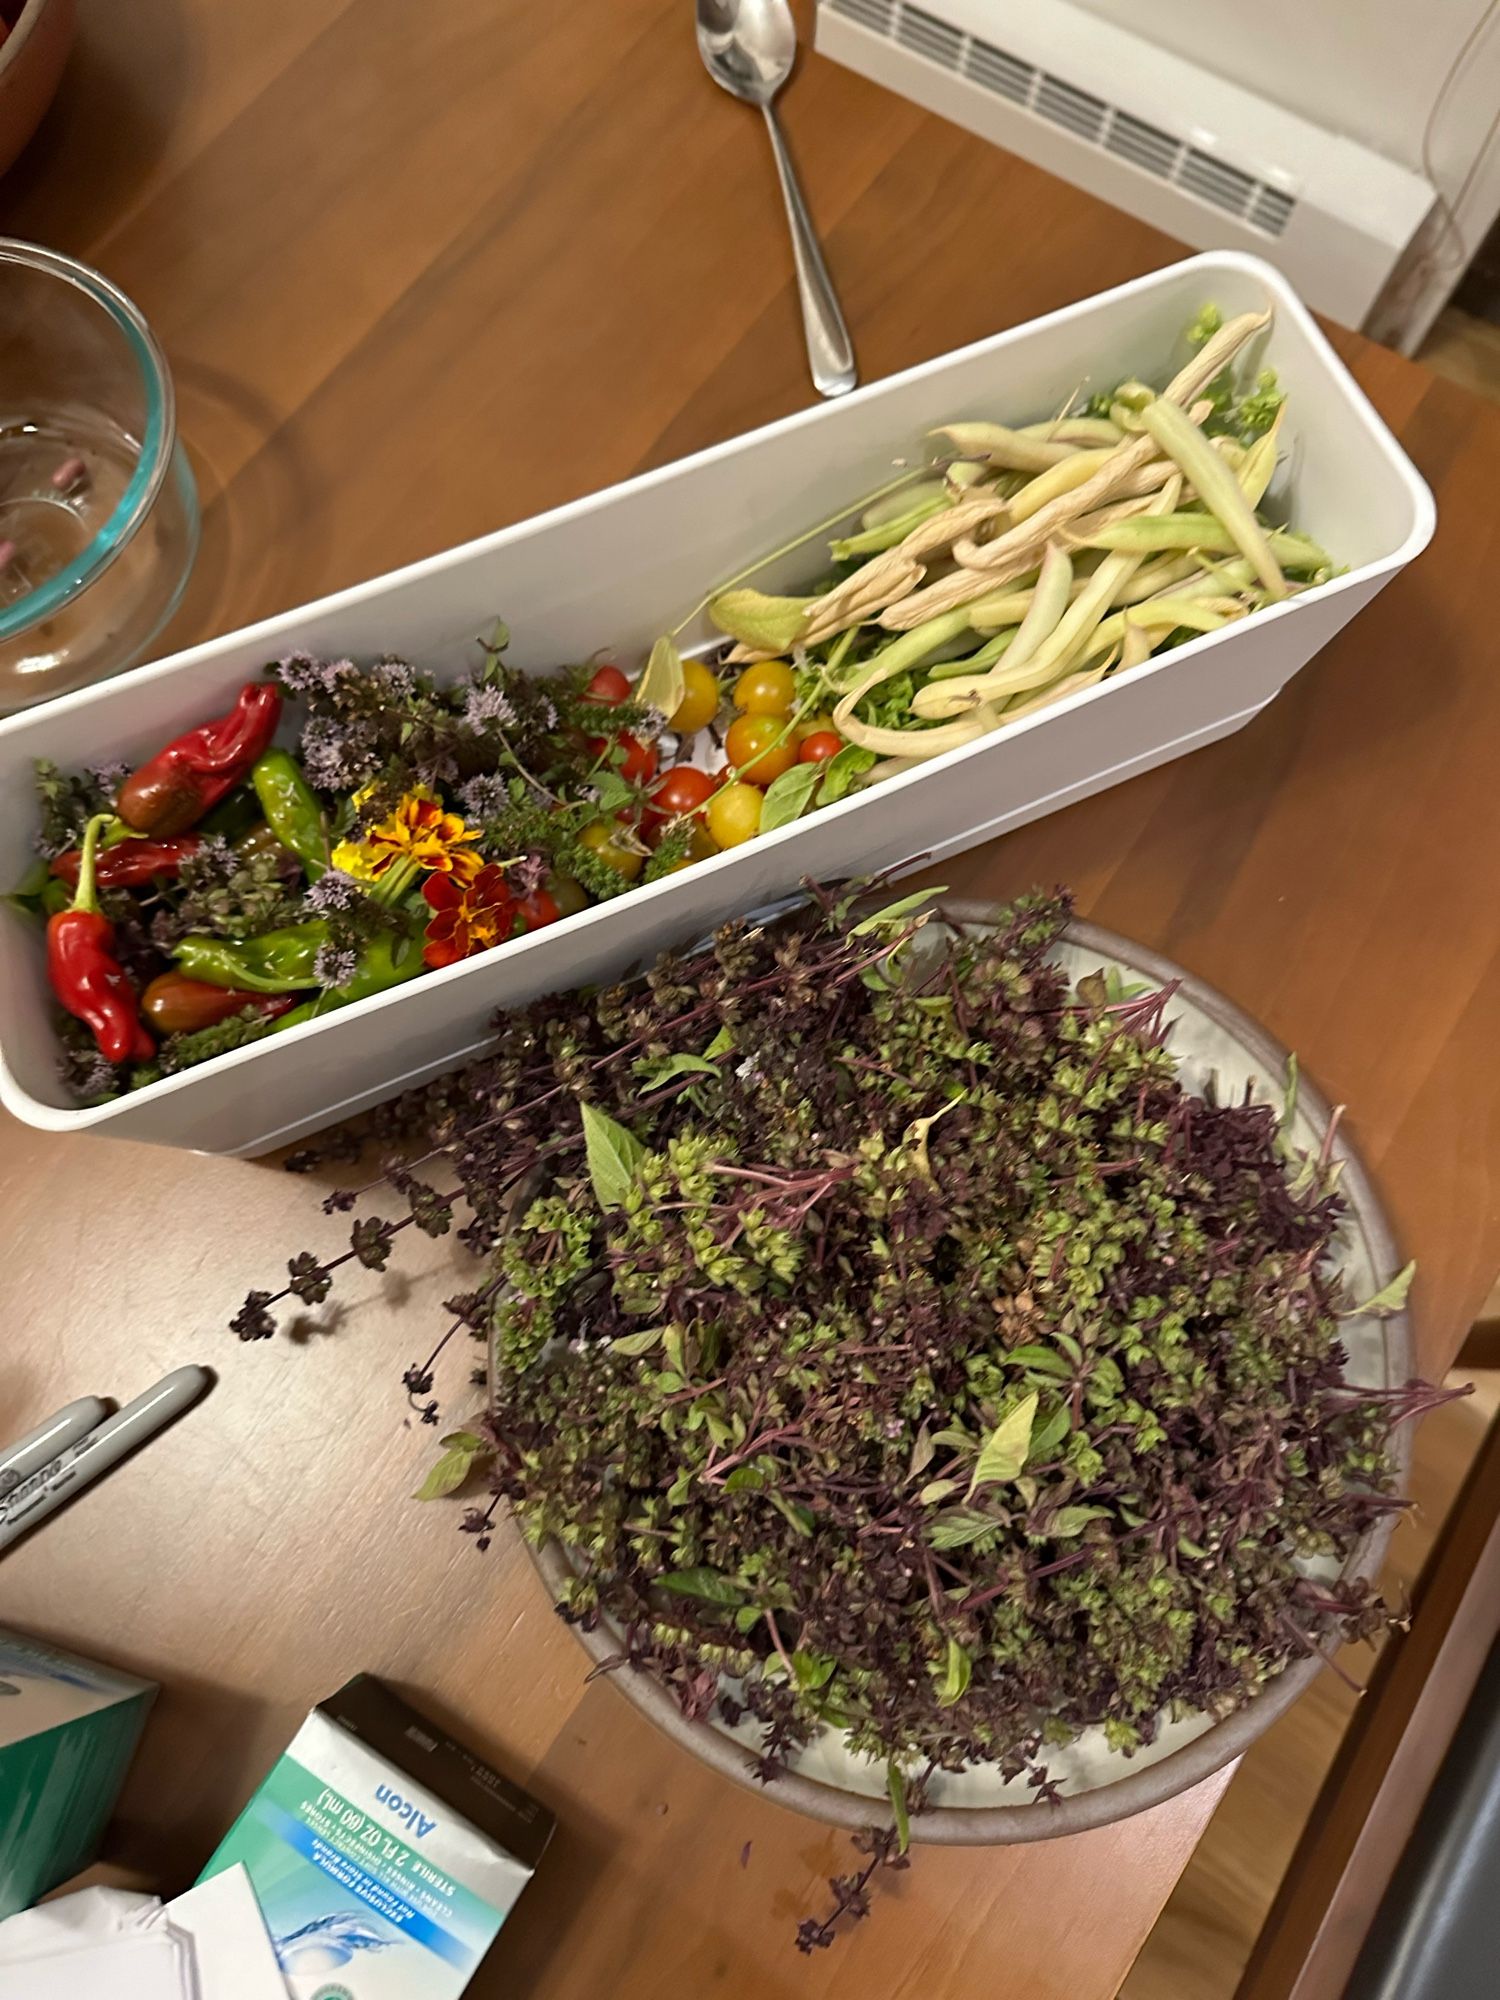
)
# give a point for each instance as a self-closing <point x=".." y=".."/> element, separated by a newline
<point x="421" y="272"/>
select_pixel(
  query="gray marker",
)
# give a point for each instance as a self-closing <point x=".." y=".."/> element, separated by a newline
<point x="104" y="1447"/>
<point x="39" y="1448"/>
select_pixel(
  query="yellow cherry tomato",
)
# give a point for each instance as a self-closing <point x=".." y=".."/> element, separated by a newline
<point x="766" y="689"/>
<point x="734" y="814"/>
<point x="701" y="844"/>
<point x="600" y="837"/>
<point x="813" y="725"/>
<point x="700" y="699"/>
<point x="760" y="748"/>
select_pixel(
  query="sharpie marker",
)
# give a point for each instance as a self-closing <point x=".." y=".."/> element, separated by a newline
<point x="39" y="1448"/>
<point x="41" y="1495"/>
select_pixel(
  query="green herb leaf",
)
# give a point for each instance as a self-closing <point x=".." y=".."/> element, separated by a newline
<point x="1004" y="1451"/>
<point x="789" y="796"/>
<point x="654" y="1074"/>
<point x="464" y="1451"/>
<point x="935" y="1490"/>
<point x="661" y="685"/>
<point x="636" y="1343"/>
<point x="958" y="1529"/>
<point x="721" y="1044"/>
<point x="1042" y="1359"/>
<point x="800" y="1518"/>
<point x="1049" y="1433"/>
<point x="894" y="915"/>
<point x="613" y="1155"/>
<point x="915" y="1135"/>
<point x="747" y="1617"/>
<point x="843" y="771"/>
<point x="709" y="1586"/>
<point x="745" y="1479"/>
<point x="953" y="1683"/>
<point x="1390" y="1299"/>
<point x="895" y="1784"/>
<point x="1289" y="1095"/>
<point x="812" y="1670"/>
<point x="1069" y="1521"/>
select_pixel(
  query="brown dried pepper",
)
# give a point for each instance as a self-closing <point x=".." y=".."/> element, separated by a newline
<point x="174" y="789"/>
<point x="85" y="974"/>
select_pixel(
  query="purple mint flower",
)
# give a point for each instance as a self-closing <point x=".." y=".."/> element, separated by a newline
<point x="335" y="965"/>
<point x="485" y="705"/>
<point x="332" y="892"/>
<point x="397" y="677"/>
<point x="485" y="797"/>
<point x="337" y="756"/>
<point x="300" y="673"/>
<point x="548" y="714"/>
<point x="108" y="777"/>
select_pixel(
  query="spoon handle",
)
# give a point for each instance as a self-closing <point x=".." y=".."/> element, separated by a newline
<point x="830" y="354"/>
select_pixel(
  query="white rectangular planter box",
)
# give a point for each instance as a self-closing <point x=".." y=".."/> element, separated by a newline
<point x="616" y="569"/>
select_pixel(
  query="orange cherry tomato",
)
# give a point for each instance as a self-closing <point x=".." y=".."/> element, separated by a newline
<point x="600" y="839"/>
<point x="818" y="749"/>
<point x="768" y="688"/>
<point x="760" y="747"/>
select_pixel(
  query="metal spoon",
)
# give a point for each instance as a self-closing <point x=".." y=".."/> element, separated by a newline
<point x="748" y="48"/>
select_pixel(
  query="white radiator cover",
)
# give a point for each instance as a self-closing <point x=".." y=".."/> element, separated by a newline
<point x="1188" y="151"/>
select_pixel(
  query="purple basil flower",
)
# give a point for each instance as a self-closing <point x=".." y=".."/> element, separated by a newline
<point x="300" y="673"/>
<point x="485" y="705"/>
<point x="332" y="892"/>
<point x="337" y="756"/>
<point x="485" y="797"/>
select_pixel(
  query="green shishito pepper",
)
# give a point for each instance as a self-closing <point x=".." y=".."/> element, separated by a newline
<point x="292" y="810"/>
<point x="276" y="962"/>
<point x="282" y="962"/>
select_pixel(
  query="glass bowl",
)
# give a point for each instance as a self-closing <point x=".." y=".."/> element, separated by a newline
<point x="98" y="511"/>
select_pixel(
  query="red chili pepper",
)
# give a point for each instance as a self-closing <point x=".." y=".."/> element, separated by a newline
<point x="174" y="789"/>
<point x="85" y="974"/>
<point x="130" y="863"/>
<point x="175" y="1004"/>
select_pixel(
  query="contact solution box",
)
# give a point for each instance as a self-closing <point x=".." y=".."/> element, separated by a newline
<point x="384" y="1855"/>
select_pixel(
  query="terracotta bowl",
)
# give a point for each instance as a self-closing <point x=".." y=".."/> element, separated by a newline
<point x="31" y="65"/>
<point x="1210" y="1038"/>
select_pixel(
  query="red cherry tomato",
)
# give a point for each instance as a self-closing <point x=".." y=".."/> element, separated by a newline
<point x="538" y="909"/>
<point x="818" y="749"/>
<point x="638" y="764"/>
<point x="608" y="686"/>
<point x="677" y="792"/>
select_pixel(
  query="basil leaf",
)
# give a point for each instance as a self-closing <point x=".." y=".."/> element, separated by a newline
<point x="613" y="1155"/>
<point x="788" y="796"/>
<point x="1390" y="1298"/>
<point x="710" y="1586"/>
<point x="1049" y="1433"/>
<point x="895" y="1784"/>
<point x="654" y="1074"/>
<point x="935" y="1490"/>
<point x="958" y="1529"/>
<point x="895" y="913"/>
<point x="1034" y="1355"/>
<point x="843" y="771"/>
<point x="1069" y="1521"/>
<point x="636" y="1343"/>
<point x="1004" y="1451"/>
<point x="721" y="1044"/>
<point x="953" y="1683"/>
<point x="453" y="1468"/>
<point x="812" y="1670"/>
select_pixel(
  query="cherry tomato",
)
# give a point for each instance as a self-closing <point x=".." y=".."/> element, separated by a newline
<point x="700" y="699"/>
<point x="600" y="838"/>
<point x="680" y="790"/>
<point x="538" y="910"/>
<point x="734" y="814"/>
<point x="638" y="764"/>
<point x="760" y="747"/>
<point x="812" y="725"/>
<point x="569" y="896"/>
<point x="701" y="844"/>
<point x="818" y="749"/>
<point x="766" y="689"/>
<point x="608" y="686"/>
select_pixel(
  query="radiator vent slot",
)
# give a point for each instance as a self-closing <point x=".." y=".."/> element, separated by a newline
<point x="1204" y="176"/>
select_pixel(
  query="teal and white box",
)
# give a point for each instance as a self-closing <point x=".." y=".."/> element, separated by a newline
<point x="68" y="1730"/>
<point x="384" y="1855"/>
